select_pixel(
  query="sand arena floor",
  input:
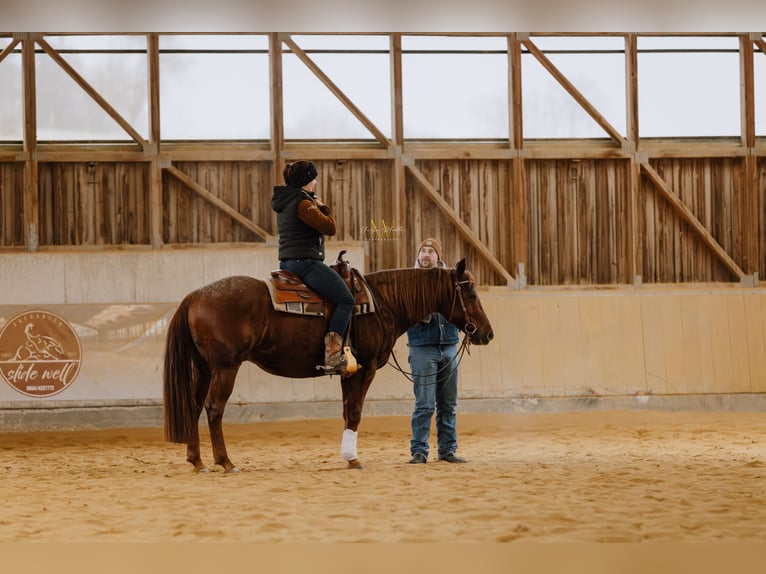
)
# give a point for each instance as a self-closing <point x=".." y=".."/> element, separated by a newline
<point x="627" y="476"/>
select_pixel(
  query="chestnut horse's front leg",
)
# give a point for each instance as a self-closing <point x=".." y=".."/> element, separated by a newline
<point x="354" y="391"/>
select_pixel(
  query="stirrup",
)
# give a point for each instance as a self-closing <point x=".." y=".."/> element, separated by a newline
<point x="338" y="369"/>
<point x="351" y="364"/>
<point x="347" y="366"/>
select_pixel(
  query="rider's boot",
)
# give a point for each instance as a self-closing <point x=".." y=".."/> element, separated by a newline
<point x="334" y="360"/>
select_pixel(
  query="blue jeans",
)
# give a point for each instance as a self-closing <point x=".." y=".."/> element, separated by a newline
<point x="329" y="284"/>
<point x="434" y="369"/>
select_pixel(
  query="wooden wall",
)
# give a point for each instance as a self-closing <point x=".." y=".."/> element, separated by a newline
<point x="578" y="222"/>
<point x="188" y="218"/>
<point x="713" y="190"/>
<point x="11" y="204"/>
<point x="93" y="204"/>
<point x="577" y="216"/>
<point x="478" y="191"/>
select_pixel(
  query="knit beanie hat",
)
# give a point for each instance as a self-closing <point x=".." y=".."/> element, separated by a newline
<point x="299" y="173"/>
<point x="435" y="244"/>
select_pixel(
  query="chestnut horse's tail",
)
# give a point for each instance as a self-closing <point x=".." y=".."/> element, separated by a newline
<point x="181" y="416"/>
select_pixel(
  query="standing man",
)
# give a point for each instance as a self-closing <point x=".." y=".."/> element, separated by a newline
<point x="433" y="362"/>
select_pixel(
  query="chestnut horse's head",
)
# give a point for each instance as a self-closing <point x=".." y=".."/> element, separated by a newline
<point x="466" y="310"/>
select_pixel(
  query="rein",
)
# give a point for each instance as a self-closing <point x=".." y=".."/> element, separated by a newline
<point x="464" y="346"/>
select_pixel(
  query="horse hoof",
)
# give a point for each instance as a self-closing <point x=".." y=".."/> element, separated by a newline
<point x="232" y="470"/>
<point x="356" y="463"/>
<point x="202" y="469"/>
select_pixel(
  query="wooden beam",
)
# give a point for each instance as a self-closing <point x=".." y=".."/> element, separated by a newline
<point x="515" y="109"/>
<point x="761" y="45"/>
<point x="92" y="92"/>
<point x="155" y="168"/>
<point x="747" y="92"/>
<point x="691" y="219"/>
<point x="519" y="223"/>
<point x="399" y="178"/>
<point x="748" y="206"/>
<point x="277" y="142"/>
<point x="464" y="230"/>
<point x="327" y="150"/>
<point x="635" y="253"/>
<point x="217" y="202"/>
<point x="303" y="57"/>
<point x="31" y="173"/>
<point x="631" y="88"/>
<point x="9" y="48"/>
<point x="574" y="92"/>
<point x="57" y="154"/>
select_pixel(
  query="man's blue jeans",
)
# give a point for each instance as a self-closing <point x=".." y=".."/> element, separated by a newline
<point x="329" y="284"/>
<point x="434" y="369"/>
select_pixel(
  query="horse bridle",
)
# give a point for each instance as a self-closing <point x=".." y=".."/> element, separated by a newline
<point x="470" y="327"/>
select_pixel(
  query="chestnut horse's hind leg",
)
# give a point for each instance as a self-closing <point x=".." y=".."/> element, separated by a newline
<point x="221" y="386"/>
<point x="193" y="454"/>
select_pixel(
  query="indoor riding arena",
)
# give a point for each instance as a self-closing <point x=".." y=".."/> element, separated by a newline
<point x="622" y="397"/>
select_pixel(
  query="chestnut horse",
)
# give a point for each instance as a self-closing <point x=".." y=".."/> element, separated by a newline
<point x="220" y="325"/>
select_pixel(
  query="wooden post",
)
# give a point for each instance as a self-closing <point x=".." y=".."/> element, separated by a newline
<point x="635" y="261"/>
<point x="153" y="147"/>
<point x="277" y="110"/>
<point x="749" y="206"/>
<point x="518" y="192"/>
<point x="397" y="138"/>
<point x="31" y="191"/>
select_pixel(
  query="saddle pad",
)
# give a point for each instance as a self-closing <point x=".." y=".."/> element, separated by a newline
<point x="289" y="296"/>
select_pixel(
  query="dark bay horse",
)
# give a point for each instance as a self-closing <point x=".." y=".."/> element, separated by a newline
<point x="220" y="325"/>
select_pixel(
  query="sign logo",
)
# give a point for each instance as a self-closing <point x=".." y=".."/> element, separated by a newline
<point x="40" y="353"/>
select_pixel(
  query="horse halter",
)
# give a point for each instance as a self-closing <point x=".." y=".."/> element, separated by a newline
<point x="470" y="327"/>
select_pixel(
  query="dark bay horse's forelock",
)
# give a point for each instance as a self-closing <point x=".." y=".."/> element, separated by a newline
<point x="219" y="326"/>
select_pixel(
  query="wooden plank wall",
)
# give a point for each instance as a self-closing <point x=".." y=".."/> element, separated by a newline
<point x="576" y="212"/>
<point x="479" y="192"/>
<point x="359" y="192"/>
<point x="188" y="218"/>
<point x="93" y="204"/>
<point x="11" y="204"/>
<point x="578" y="222"/>
<point x="712" y="189"/>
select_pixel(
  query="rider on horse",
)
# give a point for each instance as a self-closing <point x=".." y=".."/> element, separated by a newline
<point x="303" y="220"/>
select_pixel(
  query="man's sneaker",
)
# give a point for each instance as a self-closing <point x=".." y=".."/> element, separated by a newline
<point x="418" y="458"/>
<point x="452" y="457"/>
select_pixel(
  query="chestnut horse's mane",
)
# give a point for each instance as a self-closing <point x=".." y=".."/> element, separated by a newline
<point x="397" y="287"/>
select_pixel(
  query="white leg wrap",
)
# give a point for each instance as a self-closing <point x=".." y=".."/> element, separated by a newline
<point x="348" y="445"/>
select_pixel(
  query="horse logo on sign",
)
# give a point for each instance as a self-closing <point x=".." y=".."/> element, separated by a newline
<point x="40" y="353"/>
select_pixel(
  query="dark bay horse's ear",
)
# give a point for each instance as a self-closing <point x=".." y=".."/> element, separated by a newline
<point x="460" y="267"/>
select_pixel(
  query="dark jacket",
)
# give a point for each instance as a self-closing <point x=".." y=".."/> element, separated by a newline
<point x="301" y="224"/>
<point x="434" y="330"/>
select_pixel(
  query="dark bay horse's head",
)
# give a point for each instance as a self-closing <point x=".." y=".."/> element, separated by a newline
<point x="466" y="311"/>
